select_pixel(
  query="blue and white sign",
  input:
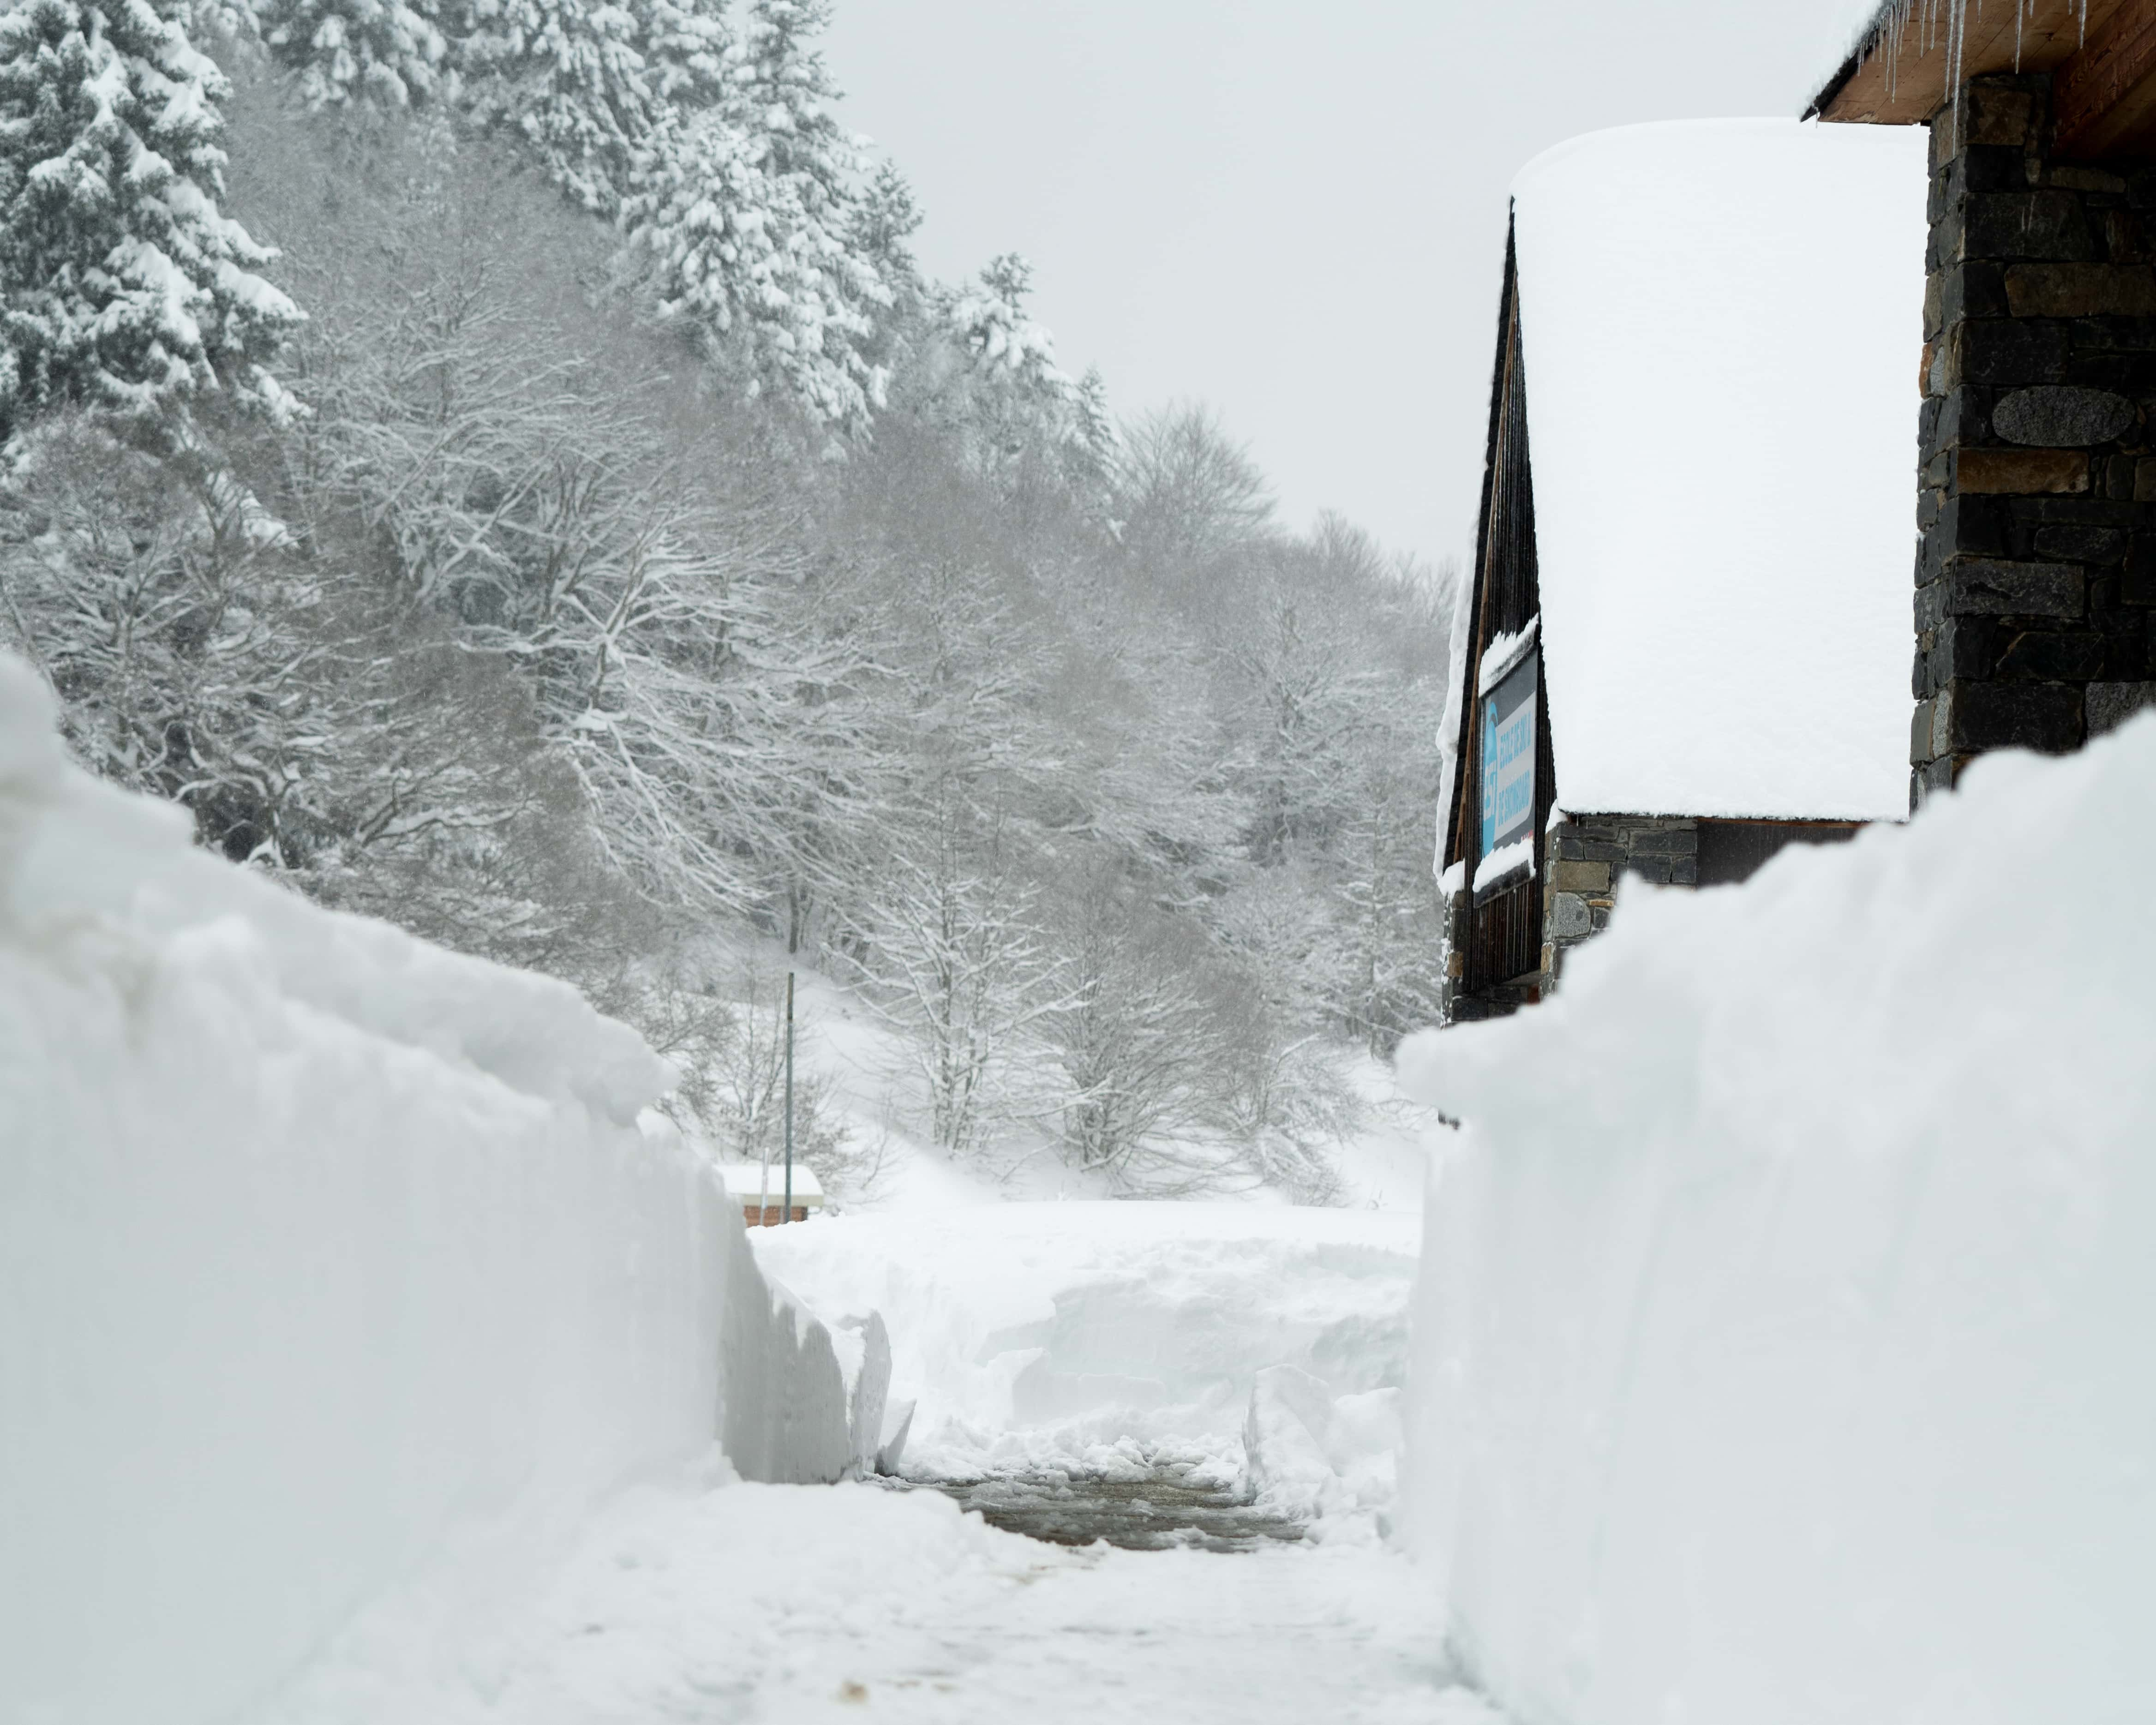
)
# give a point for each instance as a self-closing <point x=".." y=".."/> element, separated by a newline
<point x="1508" y="758"/>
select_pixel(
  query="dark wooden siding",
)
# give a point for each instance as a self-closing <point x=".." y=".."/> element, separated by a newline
<point x="1731" y="851"/>
<point x="1505" y="933"/>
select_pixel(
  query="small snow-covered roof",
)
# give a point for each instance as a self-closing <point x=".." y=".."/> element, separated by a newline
<point x="1720" y="325"/>
<point x="746" y="1179"/>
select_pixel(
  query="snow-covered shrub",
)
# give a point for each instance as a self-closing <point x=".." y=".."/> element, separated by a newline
<point x="123" y="285"/>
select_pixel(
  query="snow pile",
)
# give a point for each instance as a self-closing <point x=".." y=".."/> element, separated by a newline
<point x="1783" y="1350"/>
<point x="1101" y="1336"/>
<point x="1315" y="1456"/>
<point x="322" y="1252"/>
<point x="1720" y="322"/>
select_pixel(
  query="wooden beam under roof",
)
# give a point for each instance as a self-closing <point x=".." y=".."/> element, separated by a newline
<point x="2103" y="99"/>
<point x="1903" y="77"/>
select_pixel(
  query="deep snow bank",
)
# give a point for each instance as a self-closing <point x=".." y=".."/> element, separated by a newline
<point x="1093" y="1336"/>
<point x="1783" y="1353"/>
<point x="319" y="1247"/>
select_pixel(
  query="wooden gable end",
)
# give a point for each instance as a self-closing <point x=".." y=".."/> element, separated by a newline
<point x="1505" y="927"/>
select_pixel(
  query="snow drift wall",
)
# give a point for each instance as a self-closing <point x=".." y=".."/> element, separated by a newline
<point x="1073" y="1335"/>
<point x="1782" y="1348"/>
<point x="318" y="1245"/>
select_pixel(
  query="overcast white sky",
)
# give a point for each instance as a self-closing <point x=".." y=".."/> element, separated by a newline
<point x="1291" y="210"/>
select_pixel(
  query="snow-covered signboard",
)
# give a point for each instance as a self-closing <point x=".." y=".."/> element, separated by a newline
<point x="1508" y="775"/>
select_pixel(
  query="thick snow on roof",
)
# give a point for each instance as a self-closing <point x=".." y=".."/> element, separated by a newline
<point x="1845" y="24"/>
<point x="747" y="1179"/>
<point x="1720" y="325"/>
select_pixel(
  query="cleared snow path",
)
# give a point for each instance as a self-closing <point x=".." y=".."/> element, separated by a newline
<point x="1102" y="1348"/>
<point x="801" y="1602"/>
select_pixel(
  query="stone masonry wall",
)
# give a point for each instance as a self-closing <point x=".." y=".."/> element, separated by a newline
<point x="1589" y="854"/>
<point x="2036" y="568"/>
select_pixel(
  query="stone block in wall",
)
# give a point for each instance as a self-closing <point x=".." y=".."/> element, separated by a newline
<point x="2048" y="225"/>
<point x="1991" y="587"/>
<point x="1988" y="168"/>
<point x="1965" y="526"/>
<point x="1586" y="878"/>
<point x="2126" y="654"/>
<point x="2053" y="655"/>
<point x="2021" y="472"/>
<point x="2003" y="351"/>
<point x="2081" y="291"/>
<point x="1674" y="840"/>
<point x="1975" y="717"/>
<point x="1967" y="290"/>
<point x="2081" y="511"/>
<point x="2062" y="415"/>
<point x="1570" y="919"/>
<point x="2126" y="237"/>
<point x="1684" y="871"/>
<point x="2138" y="585"/>
<point x="1999" y="114"/>
<point x="2108" y="706"/>
<point x="1923" y="724"/>
<point x="1959" y="647"/>
<point x="2079" y="178"/>
<point x="1961" y="416"/>
<point x="1650" y="868"/>
<point x="2082" y="544"/>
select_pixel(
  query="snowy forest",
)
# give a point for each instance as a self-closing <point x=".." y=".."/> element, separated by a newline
<point x="523" y="485"/>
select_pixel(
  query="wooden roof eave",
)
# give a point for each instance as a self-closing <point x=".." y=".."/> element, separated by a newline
<point x="2102" y="54"/>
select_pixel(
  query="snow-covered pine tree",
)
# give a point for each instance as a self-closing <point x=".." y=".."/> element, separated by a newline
<point x="386" y="53"/>
<point x="687" y="45"/>
<point x="889" y="217"/>
<point x="123" y="285"/>
<point x="814" y="331"/>
<point x="1095" y="442"/>
<point x="988" y="317"/>
<point x="774" y="296"/>
<point x="997" y="383"/>
<point x="569" y="77"/>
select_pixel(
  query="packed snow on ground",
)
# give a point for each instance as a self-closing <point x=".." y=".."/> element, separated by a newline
<point x="328" y="1260"/>
<point x="1095" y="1337"/>
<point x="1108" y="1338"/>
<point x="1783" y="1353"/>
<point x="1742" y="299"/>
<point x="700" y="1600"/>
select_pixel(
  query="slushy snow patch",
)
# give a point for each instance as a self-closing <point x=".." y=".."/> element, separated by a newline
<point x="1782" y="1349"/>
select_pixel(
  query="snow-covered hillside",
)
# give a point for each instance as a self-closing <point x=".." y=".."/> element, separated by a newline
<point x="326" y="1256"/>
<point x="1782" y="1351"/>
